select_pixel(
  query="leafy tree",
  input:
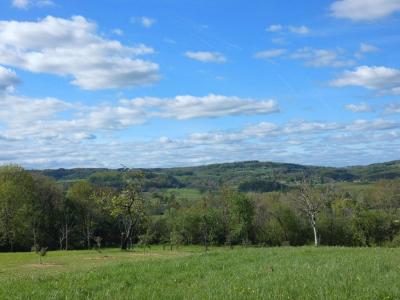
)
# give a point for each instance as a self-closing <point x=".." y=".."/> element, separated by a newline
<point x="82" y="193"/>
<point x="45" y="210"/>
<point x="242" y="212"/>
<point x="16" y="197"/>
<point x="128" y="208"/>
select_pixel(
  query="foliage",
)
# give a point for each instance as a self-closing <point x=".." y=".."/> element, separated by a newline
<point x="36" y="210"/>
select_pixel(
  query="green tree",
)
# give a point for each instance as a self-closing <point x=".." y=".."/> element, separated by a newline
<point x="128" y="207"/>
<point x="82" y="193"/>
<point x="45" y="211"/>
<point x="16" y="196"/>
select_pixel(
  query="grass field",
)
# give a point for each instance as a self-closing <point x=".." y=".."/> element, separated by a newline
<point x="189" y="273"/>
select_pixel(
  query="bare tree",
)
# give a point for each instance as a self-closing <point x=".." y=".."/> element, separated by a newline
<point x="66" y="224"/>
<point x="310" y="202"/>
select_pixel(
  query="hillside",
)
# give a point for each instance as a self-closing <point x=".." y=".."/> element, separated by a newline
<point x="247" y="176"/>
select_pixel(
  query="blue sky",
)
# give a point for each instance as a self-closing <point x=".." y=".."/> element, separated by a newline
<point x="177" y="83"/>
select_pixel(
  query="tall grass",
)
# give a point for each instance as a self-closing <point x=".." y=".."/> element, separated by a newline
<point x="242" y="273"/>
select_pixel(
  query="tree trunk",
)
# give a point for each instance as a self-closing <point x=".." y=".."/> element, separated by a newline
<point x="34" y="237"/>
<point x="88" y="233"/>
<point x="66" y="236"/>
<point x="88" y="241"/>
<point x="314" y="227"/>
<point x="124" y="242"/>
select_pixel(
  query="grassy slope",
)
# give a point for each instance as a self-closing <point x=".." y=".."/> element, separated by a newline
<point x="263" y="273"/>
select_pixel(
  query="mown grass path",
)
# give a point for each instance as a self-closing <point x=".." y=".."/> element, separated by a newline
<point x="242" y="273"/>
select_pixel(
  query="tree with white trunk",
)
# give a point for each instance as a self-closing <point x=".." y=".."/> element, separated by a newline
<point x="310" y="201"/>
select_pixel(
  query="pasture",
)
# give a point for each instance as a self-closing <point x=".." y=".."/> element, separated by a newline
<point x="190" y="273"/>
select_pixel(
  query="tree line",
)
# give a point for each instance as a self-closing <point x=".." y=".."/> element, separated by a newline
<point x="36" y="211"/>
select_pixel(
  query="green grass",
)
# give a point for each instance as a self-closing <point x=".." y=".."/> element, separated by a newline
<point x="242" y="273"/>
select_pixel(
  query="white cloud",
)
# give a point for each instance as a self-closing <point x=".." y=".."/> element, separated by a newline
<point x="314" y="57"/>
<point x="290" y="28"/>
<point x="299" y="29"/>
<point x="25" y="110"/>
<point x="72" y="47"/>
<point x="38" y="119"/>
<point x="24" y="4"/>
<point x="54" y="119"/>
<point x="8" y="80"/>
<point x="367" y="48"/>
<point x="274" y="28"/>
<point x="20" y="3"/>
<point x="210" y="106"/>
<point x="146" y="22"/>
<point x="270" y="53"/>
<point x="118" y="31"/>
<point x="353" y="143"/>
<point x="392" y="108"/>
<point x="322" y="57"/>
<point x="359" y="108"/>
<point x="383" y="79"/>
<point x="299" y="129"/>
<point x="374" y="125"/>
<point x="364" y="10"/>
<point x="309" y="127"/>
<point x="205" y="56"/>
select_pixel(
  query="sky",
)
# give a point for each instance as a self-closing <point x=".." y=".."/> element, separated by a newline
<point x="155" y="83"/>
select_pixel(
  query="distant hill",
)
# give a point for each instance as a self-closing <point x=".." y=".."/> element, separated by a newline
<point x="246" y="175"/>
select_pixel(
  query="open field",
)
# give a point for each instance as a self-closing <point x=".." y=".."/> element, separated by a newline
<point x="189" y="273"/>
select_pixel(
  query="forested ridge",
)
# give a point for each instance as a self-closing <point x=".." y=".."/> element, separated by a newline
<point x="231" y="174"/>
<point x="257" y="203"/>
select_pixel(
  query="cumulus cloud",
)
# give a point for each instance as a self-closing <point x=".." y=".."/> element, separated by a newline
<point x="73" y="47"/>
<point x="382" y="79"/>
<point x="358" y="142"/>
<point x="309" y="127"/>
<point x="26" y="110"/>
<point x="206" y="57"/>
<point x="322" y="57"/>
<point x="374" y="125"/>
<point x="8" y="80"/>
<point x="359" y="108"/>
<point x="210" y="106"/>
<point x="364" y="10"/>
<point x="270" y="53"/>
<point x="293" y="131"/>
<point x="54" y="119"/>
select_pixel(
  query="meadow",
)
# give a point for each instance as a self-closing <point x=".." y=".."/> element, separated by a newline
<point x="190" y="273"/>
